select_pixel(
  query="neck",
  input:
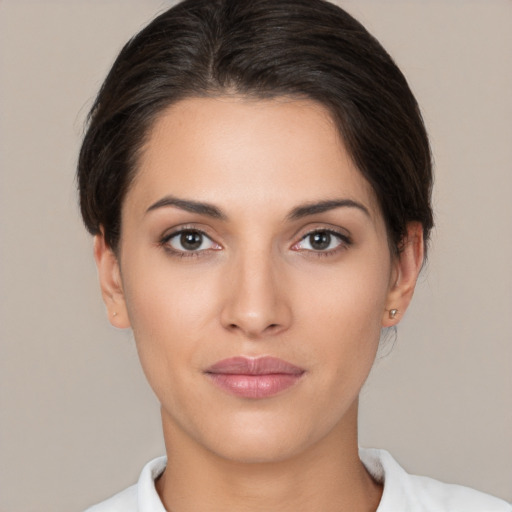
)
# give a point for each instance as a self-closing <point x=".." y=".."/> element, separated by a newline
<point x="328" y="476"/>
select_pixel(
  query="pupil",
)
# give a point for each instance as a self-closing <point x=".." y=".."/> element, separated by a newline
<point x="320" y="241"/>
<point x="191" y="240"/>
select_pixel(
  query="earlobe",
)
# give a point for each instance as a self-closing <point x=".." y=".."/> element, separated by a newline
<point x="407" y="266"/>
<point x="110" y="282"/>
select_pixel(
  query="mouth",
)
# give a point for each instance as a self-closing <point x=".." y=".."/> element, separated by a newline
<point x="260" y="377"/>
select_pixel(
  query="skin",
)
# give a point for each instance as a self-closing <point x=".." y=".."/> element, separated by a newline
<point x="257" y="286"/>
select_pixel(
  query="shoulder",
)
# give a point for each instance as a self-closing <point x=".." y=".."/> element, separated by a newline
<point x="412" y="493"/>
<point x="141" y="497"/>
<point x="435" y="495"/>
<point x="125" y="501"/>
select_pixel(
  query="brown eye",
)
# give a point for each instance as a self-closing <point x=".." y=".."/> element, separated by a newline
<point x="190" y="240"/>
<point x="320" y="241"/>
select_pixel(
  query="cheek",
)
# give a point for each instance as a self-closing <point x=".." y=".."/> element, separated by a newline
<point x="340" y="313"/>
<point x="169" y="312"/>
<point x="346" y="298"/>
<point x="166" y="297"/>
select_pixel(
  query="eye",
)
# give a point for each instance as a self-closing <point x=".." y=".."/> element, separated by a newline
<point x="322" y="241"/>
<point x="189" y="241"/>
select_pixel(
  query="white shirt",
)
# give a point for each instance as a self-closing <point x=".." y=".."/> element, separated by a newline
<point x="402" y="492"/>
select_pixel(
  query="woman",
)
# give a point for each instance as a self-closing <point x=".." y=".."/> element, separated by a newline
<point x="257" y="178"/>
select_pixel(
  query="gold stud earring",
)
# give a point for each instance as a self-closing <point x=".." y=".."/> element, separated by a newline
<point x="114" y="313"/>
<point x="392" y="313"/>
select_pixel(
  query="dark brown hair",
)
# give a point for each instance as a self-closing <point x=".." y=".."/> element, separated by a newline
<point x="263" y="49"/>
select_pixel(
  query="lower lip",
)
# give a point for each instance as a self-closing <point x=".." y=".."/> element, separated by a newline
<point x="255" y="386"/>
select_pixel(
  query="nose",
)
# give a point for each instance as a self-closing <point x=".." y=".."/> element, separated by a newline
<point x="256" y="304"/>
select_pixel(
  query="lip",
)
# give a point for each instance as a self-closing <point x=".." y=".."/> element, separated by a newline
<point x="249" y="377"/>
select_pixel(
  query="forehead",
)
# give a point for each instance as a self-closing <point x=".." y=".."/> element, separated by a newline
<point x="237" y="152"/>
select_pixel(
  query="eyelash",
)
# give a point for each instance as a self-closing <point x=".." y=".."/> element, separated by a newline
<point x="166" y="240"/>
<point x="344" y="242"/>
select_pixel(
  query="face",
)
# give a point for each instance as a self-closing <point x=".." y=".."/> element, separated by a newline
<point x="255" y="272"/>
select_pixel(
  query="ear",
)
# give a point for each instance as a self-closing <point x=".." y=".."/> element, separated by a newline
<point x="406" y="268"/>
<point x="110" y="282"/>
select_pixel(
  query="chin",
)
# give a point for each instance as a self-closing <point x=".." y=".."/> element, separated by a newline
<point x="263" y="450"/>
<point x="253" y="439"/>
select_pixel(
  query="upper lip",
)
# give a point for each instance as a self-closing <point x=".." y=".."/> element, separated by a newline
<point x="266" y="365"/>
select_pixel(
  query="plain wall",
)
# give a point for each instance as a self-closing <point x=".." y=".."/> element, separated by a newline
<point x="78" y="420"/>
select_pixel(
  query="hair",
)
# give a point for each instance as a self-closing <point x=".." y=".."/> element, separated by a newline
<point x="260" y="49"/>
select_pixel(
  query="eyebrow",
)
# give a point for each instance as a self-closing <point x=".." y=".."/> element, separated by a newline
<point x="298" y="212"/>
<point x="323" y="206"/>
<point x="189" y="206"/>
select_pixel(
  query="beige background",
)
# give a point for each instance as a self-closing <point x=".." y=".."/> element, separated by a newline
<point x="77" y="418"/>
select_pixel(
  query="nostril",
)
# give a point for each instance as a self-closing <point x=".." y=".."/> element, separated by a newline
<point x="272" y="327"/>
<point x="268" y="329"/>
